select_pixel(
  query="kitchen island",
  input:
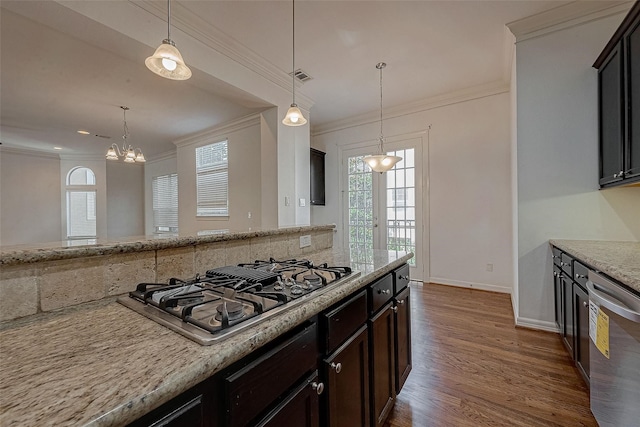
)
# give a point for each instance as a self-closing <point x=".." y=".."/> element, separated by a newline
<point x="102" y="364"/>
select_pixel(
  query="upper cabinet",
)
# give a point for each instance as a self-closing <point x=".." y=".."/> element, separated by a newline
<point x="317" y="177"/>
<point x="619" y="104"/>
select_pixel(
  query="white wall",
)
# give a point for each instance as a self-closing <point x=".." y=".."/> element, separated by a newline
<point x="469" y="216"/>
<point x="244" y="144"/>
<point x="557" y="146"/>
<point x="29" y="197"/>
<point x="125" y="199"/>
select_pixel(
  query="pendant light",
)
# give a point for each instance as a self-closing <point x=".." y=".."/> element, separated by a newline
<point x="129" y="154"/>
<point x="381" y="162"/>
<point x="294" y="116"/>
<point x="167" y="61"/>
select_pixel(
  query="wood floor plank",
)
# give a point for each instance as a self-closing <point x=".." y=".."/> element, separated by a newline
<point x="473" y="367"/>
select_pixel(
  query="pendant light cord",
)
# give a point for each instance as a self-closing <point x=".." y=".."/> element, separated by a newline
<point x="293" y="64"/>
<point x="168" y="19"/>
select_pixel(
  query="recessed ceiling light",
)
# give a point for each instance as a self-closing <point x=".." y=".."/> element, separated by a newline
<point x="57" y="148"/>
<point x="84" y="132"/>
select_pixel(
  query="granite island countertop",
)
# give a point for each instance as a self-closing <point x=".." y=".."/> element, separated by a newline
<point x="618" y="260"/>
<point x="103" y="364"/>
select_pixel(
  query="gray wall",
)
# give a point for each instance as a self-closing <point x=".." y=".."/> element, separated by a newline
<point x="557" y="150"/>
<point x="125" y="199"/>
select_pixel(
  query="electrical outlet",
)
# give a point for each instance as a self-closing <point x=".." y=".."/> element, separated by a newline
<point x="489" y="267"/>
<point x="305" y="241"/>
<point x="287" y="202"/>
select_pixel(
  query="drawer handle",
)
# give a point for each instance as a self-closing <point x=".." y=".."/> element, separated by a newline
<point x="565" y="264"/>
<point x="401" y="302"/>
<point x="403" y="277"/>
<point x="394" y="308"/>
<point x="318" y="387"/>
<point x="554" y="256"/>
<point x="336" y="367"/>
<point x="384" y="291"/>
<point x="585" y="304"/>
<point x="580" y="276"/>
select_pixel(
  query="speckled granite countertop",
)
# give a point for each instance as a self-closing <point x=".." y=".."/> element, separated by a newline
<point x="618" y="260"/>
<point x="102" y="364"/>
<point x="24" y="254"/>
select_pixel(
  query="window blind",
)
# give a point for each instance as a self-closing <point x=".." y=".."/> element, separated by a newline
<point x="165" y="203"/>
<point x="212" y="179"/>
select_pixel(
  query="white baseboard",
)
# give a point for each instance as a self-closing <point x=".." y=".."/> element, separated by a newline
<point x="541" y="325"/>
<point x="472" y="285"/>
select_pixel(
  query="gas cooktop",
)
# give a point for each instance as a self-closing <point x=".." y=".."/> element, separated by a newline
<point x="231" y="298"/>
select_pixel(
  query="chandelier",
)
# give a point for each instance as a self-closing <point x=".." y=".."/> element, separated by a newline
<point x="129" y="154"/>
<point x="381" y="162"/>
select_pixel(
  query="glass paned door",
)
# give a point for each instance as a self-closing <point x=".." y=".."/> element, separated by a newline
<point x="383" y="211"/>
<point x="400" y="204"/>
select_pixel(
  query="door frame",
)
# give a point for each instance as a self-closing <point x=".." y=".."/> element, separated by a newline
<point x="395" y="142"/>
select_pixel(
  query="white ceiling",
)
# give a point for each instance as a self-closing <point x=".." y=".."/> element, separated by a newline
<point x="62" y="72"/>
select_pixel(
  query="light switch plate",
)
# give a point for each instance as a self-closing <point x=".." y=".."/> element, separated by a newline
<point x="303" y="203"/>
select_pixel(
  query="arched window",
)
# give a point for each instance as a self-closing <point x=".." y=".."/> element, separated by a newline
<point x="81" y="203"/>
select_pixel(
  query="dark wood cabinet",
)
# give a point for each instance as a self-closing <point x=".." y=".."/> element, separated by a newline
<point x="567" y="313"/>
<point x="317" y="177"/>
<point x="300" y="408"/>
<point x="619" y="104"/>
<point x="347" y="383"/>
<point x="572" y="307"/>
<point x="581" y="324"/>
<point x="402" y="346"/>
<point x="382" y="370"/>
<point x="185" y="410"/>
<point x="632" y="70"/>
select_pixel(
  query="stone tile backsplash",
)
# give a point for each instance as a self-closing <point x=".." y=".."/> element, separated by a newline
<point x="31" y="288"/>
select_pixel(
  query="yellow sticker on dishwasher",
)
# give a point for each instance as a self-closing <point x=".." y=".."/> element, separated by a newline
<point x="602" y="334"/>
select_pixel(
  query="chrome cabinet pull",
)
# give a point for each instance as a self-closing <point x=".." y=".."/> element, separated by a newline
<point x="384" y="291"/>
<point x="336" y="367"/>
<point x="393" y="308"/>
<point x="401" y="302"/>
<point x="403" y="277"/>
<point x="318" y="387"/>
<point x="580" y="276"/>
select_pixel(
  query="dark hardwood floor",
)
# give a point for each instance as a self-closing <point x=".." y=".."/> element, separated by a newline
<point x="472" y="367"/>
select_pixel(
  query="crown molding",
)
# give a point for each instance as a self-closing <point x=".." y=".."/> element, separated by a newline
<point x="167" y="155"/>
<point x="198" y="28"/>
<point x="437" y="101"/>
<point x="28" y="152"/>
<point x="565" y="16"/>
<point x="219" y="131"/>
<point x="84" y="157"/>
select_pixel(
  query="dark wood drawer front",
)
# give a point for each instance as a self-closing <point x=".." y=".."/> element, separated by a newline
<point x="300" y="408"/>
<point x="252" y="389"/>
<point x="557" y="255"/>
<point x="400" y="279"/>
<point x="580" y="274"/>
<point x="344" y="320"/>
<point x="567" y="264"/>
<point x="381" y="292"/>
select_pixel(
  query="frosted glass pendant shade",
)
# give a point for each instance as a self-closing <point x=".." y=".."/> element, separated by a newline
<point x="111" y="154"/>
<point x="168" y="63"/>
<point x="294" y="117"/>
<point x="381" y="162"/>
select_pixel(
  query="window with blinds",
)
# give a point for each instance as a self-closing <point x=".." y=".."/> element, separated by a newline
<point x="165" y="203"/>
<point x="212" y="179"/>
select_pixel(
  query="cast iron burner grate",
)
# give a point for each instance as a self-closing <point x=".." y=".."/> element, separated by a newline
<point x="251" y="275"/>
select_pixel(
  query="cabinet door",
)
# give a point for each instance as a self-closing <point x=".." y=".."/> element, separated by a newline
<point x="347" y="380"/>
<point x="611" y="117"/>
<point x="632" y="50"/>
<point x="557" y="288"/>
<point x="300" y="408"/>
<point x="567" y="313"/>
<point x="317" y="177"/>
<point x="581" y="324"/>
<point x="382" y="372"/>
<point x="403" y="337"/>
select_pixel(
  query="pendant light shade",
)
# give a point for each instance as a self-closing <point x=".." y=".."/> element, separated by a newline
<point x="167" y="61"/>
<point x="381" y="162"/>
<point x="294" y="116"/>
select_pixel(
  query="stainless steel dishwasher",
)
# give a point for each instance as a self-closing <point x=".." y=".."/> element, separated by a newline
<point x="614" y="331"/>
